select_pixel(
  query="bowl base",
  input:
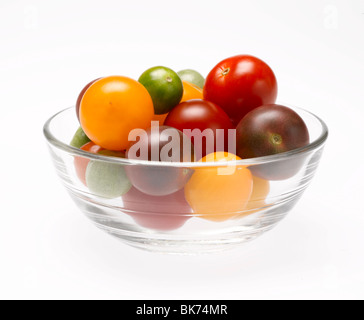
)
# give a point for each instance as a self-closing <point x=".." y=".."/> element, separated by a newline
<point x="184" y="247"/>
<point x="183" y="241"/>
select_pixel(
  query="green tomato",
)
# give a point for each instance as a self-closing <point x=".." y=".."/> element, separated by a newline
<point x="164" y="86"/>
<point x="79" y="139"/>
<point x="192" y="76"/>
<point x="107" y="180"/>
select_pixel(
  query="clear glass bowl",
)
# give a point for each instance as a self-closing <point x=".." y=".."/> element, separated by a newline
<point x="167" y="223"/>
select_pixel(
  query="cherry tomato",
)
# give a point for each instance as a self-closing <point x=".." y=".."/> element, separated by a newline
<point x="82" y="163"/>
<point x="160" y="118"/>
<point x="192" y="76"/>
<point x="111" y="108"/>
<point x="269" y="130"/>
<point x="164" y="86"/>
<point x="159" y="146"/>
<point x="219" y="193"/>
<point x="201" y="115"/>
<point x="191" y="91"/>
<point x="241" y="84"/>
<point x="79" y="139"/>
<point x="158" y="213"/>
<point x="79" y="99"/>
<point x="107" y="180"/>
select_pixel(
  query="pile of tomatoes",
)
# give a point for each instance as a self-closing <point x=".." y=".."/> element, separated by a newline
<point x="237" y="98"/>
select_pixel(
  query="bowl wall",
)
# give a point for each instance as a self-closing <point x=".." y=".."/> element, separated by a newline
<point x="184" y="208"/>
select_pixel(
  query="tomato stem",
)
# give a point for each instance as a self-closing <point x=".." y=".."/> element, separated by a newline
<point x="276" y="139"/>
<point x="225" y="71"/>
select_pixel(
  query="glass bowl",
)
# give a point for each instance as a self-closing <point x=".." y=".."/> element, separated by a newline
<point x="163" y="220"/>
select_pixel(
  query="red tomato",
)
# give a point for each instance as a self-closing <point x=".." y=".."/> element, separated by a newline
<point x="81" y="163"/>
<point x="241" y="84"/>
<point x="158" y="213"/>
<point x="202" y="115"/>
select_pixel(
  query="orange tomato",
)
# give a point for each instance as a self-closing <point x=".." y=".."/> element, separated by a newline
<point x="111" y="108"/>
<point x="161" y="118"/>
<point x="191" y="91"/>
<point x="219" y="193"/>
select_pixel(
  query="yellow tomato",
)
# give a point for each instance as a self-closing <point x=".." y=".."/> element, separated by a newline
<point x="111" y="108"/>
<point x="219" y="193"/>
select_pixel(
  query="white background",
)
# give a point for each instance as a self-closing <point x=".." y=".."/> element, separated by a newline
<point x="50" y="49"/>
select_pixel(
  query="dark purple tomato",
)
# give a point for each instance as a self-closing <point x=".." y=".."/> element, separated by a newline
<point x="240" y="84"/>
<point x="202" y="115"/>
<point x="269" y="130"/>
<point x="165" y="144"/>
<point x="279" y="170"/>
<point x="80" y="96"/>
<point x="164" y="213"/>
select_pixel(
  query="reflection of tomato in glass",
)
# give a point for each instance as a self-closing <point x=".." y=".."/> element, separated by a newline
<point x="158" y="213"/>
<point x="82" y="163"/>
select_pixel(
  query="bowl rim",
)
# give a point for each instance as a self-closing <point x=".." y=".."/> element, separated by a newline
<point x="317" y="143"/>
